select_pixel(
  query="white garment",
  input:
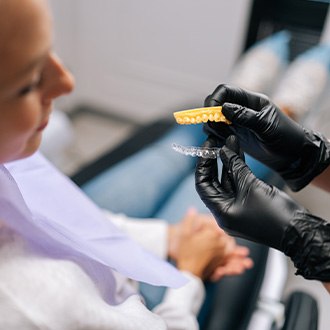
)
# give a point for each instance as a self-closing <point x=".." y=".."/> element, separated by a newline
<point x="38" y="292"/>
<point x="180" y="306"/>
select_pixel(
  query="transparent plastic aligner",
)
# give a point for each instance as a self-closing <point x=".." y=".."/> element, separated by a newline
<point x="196" y="151"/>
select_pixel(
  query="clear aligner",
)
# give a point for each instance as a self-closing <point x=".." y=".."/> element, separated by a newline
<point x="196" y="151"/>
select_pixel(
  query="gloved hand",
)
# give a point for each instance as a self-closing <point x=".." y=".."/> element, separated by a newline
<point x="247" y="207"/>
<point x="267" y="134"/>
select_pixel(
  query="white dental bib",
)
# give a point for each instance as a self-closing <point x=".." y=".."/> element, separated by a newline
<point x="50" y="212"/>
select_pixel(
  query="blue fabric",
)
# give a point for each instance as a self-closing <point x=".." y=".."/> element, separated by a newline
<point x="278" y="43"/>
<point x="139" y="185"/>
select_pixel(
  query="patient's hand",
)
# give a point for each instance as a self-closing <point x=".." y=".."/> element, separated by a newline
<point x="327" y="286"/>
<point x="198" y="245"/>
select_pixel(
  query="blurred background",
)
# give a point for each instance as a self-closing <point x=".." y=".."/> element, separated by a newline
<point x="135" y="62"/>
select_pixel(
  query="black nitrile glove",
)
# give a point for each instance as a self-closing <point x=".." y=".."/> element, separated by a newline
<point x="247" y="207"/>
<point x="267" y="134"/>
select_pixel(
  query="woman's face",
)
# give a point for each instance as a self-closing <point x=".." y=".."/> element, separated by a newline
<point x="31" y="76"/>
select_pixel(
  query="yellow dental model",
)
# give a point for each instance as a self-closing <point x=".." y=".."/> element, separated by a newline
<point x="200" y="115"/>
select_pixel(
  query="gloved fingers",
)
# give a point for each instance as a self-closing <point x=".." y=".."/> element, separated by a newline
<point x="211" y="142"/>
<point x="206" y="179"/>
<point x="208" y="102"/>
<point x="226" y="93"/>
<point x="223" y="93"/>
<point x="239" y="172"/>
<point x="218" y="129"/>
<point x="232" y="143"/>
<point x="207" y="169"/>
<point x="226" y="180"/>
<point x="241" y="115"/>
<point x="206" y="175"/>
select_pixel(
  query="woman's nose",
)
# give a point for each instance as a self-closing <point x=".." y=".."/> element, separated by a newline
<point x="57" y="79"/>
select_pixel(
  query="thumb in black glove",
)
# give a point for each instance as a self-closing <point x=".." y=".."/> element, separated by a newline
<point x="247" y="207"/>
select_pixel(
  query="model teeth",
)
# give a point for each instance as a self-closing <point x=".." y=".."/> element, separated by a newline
<point x="199" y="115"/>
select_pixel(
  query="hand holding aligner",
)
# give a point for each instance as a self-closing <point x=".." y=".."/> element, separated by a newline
<point x="247" y="207"/>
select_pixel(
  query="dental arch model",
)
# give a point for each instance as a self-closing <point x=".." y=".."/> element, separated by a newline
<point x="197" y="116"/>
<point x="200" y="115"/>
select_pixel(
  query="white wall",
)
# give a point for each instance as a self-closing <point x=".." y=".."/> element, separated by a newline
<point x="148" y="57"/>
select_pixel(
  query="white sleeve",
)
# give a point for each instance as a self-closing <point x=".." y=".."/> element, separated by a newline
<point x="151" y="234"/>
<point x="180" y="307"/>
<point x="38" y="292"/>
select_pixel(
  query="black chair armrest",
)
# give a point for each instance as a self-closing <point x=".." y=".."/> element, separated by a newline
<point x="301" y="312"/>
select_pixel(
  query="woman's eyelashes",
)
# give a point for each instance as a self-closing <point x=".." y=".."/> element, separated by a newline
<point x="30" y="87"/>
